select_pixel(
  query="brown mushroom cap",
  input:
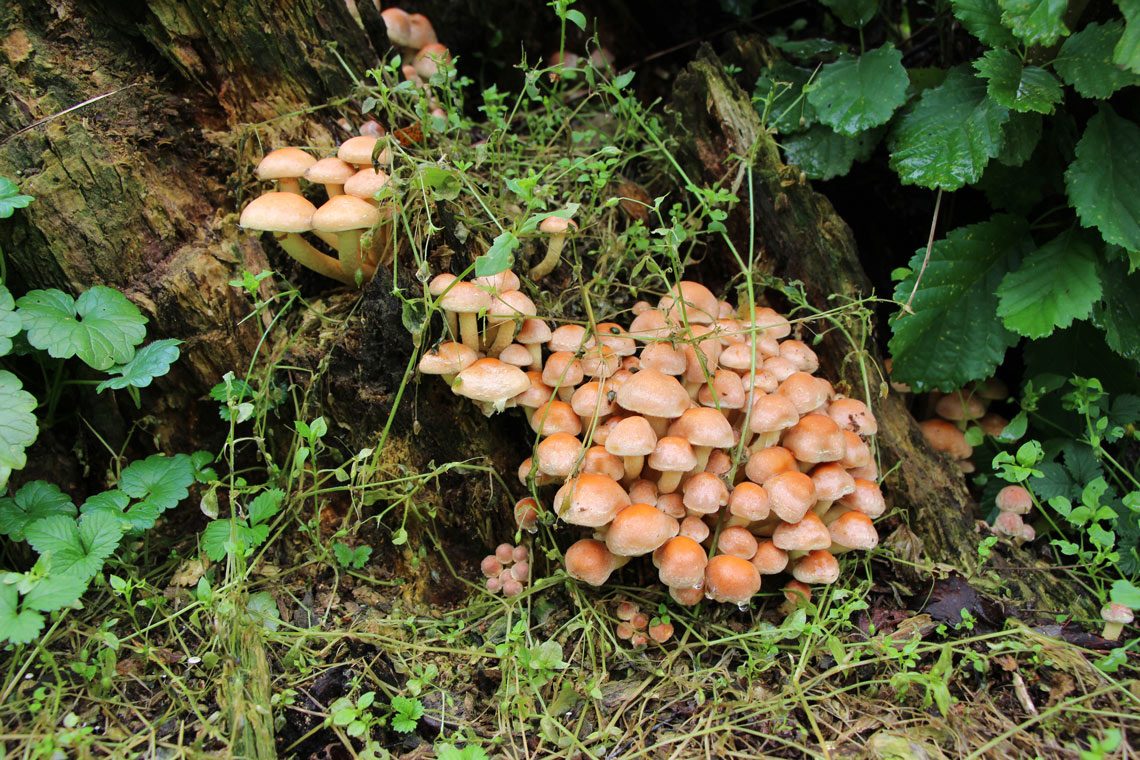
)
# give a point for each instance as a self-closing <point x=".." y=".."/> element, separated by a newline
<point x="693" y="527"/>
<point x="1114" y="612"/>
<point x="768" y="462"/>
<point x="448" y="358"/>
<point x="518" y="356"/>
<point x="705" y="493"/>
<point x="639" y="529"/>
<point x="815" y="438"/>
<point x="854" y="530"/>
<point x="672" y="505"/>
<point x="421" y="32"/>
<point x="769" y="559"/>
<point x="366" y="183"/>
<point x="342" y="213"/>
<point x="703" y="426"/>
<point x="699" y="305"/>
<point x="284" y="163"/>
<point x="959" y="406"/>
<point x="818" y="566"/>
<point x="687" y="596"/>
<point x="330" y="171"/>
<point x="463" y="297"/>
<point x="791" y="494"/>
<point x="591" y="400"/>
<point x="556" y="225"/>
<point x="558" y="454"/>
<point x="537" y="394"/>
<point x="726" y="392"/>
<point x="808" y="534"/>
<point x="590" y="561"/>
<point x="799" y="354"/>
<point x="852" y="414"/>
<point x="591" y="500"/>
<point x="771" y="413"/>
<point x="654" y="394"/>
<point x="490" y="381"/>
<point x="614" y="335"/>
<point x="737" y="541"/>
<point x="831" y="481"/>
<point x="598" y="460"/>
<point x="946" y="437"/>
<point x="570" y="338"/>
<point x="1014" y="499"/>
<point x="866" y="498"/>
<point x="278" y="212"/>
<point x="806" y="392"/>
<point x="749" y="502"/>
<point x="562" y="370"/>
<point x="533" y="331"/>
<point x="664" y="358"/>
<point x="643" y="492"/>
<point x="357" y="150"/>
<point x="632" y="437"/>
<point x="731" y="579"/>
<point x="672" y="454"/>
<point x="857" y="453"/>
<point x="769" y="320"/>
<point x="399" y="30"/>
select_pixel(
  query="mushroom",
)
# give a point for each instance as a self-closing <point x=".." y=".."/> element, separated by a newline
<point x="590" y="500"/>
<point x="287" y="215"/>
<point x="490" y="382"/>
<point x="348" y="217"/>
<point x="731" y="579"/>
<point x="680" y="562"/>
<point x="286" y="166"/>
<point x="639" y="529"/>
<point x="1115" y="617"/>
<point x="332" y="173"/>
<point x="467" y="300"/>
<point x="672" y="457"/>
<point x="558" y="229"/>
<point x="359" y="150"/>
<point x="632" y="439"/>
<point x="656" y="396"/>
<point x="589" y="561"/>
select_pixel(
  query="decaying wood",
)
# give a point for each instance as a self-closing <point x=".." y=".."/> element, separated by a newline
<point x="799" y="236"/>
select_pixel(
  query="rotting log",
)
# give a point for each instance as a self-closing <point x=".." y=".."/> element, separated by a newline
<point x="799" y="236"/>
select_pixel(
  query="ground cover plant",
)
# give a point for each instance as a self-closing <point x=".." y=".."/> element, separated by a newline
<point x="286" y="532"/>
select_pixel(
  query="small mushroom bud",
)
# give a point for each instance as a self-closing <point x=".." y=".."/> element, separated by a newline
<point x="558" y="229"/>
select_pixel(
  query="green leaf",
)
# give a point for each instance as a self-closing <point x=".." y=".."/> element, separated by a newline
<point x="577" y="18"/>
<point x="1035" y="22"/>
<point x="78" y="548"/>
<point x="954" y="335"/>
<point x="407" y="713"/>
<point x="948" y="137"/>
<point x="54" y="592"/>
<point x="1125" y="593"/>
<point x="18" y="426"/>
<point x="1054" y="285"/>
<point x="1119" y="313"/>
<point x="101" y="327"/>
<point x="262" y="610"/>
<point x="216" y="536"/>
<point x="265" y="505"/>
<point x="854" y="94"/>
<point x="159" y="480"/>
<point x="982" y="18"/>
<point x="1127" y="52"/>
<point x="10" y="322"/>
<point x="149" y="362"/>
<point x="139" y="517"/>
<point x="499" y="256"/>
<point x="443" y="184"/>
<point x="1020" y="136"/>
<point x="1018" y="87"/>
<point x="1103" y="182"/>
<point x="34" y="500"/>
<point x="788" y="108"/>
<point x="1085" y="61"/>
<point x="824" y="154"/>
<point x="805" y="50"/>
<point x="17" y="626"/>
<point x="854" y="13"/>
<point x="11" y="199"/>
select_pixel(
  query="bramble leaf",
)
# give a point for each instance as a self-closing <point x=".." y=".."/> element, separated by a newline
<point x="78" y="548"/>
<point x="11" y="198"/>
<point x="1018" y="87"/>
<point x="1103" y="182"/>
<point x="1127" y="52"/>
<point x="101" y="327"/>
<point x="982" y="18"/>
<point x="1035" y="22"/>
<point x="1085" y="61"/>
<point x="159" y="480"/>
<point x="35" y="499"/>
<point x="1119" y="313"/>
<point x="149" y="362"/>
<point x="1054" y="285"/>
<point x="10" y="322"/>
<point x="265" y="505"/>
<point x="954" y="335"/>
<point x="948" y="137"/>
<point x="1019" y="138"/>
<point x="824" y="154"/>
<point x="855" y="94"/>
<point x="18" y="427"/>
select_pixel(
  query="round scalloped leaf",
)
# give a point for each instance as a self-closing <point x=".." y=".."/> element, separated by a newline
<point x="1035" y="22"/>
<point x="151" y="361"/>
<point x="946" y="139"/>
<point x="955" y="335"/>
<point x="10" y="323"/>
<point x="1055" y="285"/>
<point x="101" y="327"/>
<point x="34" y="500"/>
<point x="78" y="549"/>
<point x="18" y="427"/>
<point x="1103" y="182"/>
<point x="1085" y="61"/>
<point x="855" y="94"/>
<point x="982" y="18"/>
<point x="823" y="154"/>
<point x="11" y="198"/>
<point x="1018" y="87"/>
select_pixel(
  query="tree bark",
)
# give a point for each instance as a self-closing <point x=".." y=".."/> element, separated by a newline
<point x="800" y="237"/>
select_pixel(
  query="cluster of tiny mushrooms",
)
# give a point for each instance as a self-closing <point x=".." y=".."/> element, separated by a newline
<point x="604" y="406"/>
<point x="640" y="429"/>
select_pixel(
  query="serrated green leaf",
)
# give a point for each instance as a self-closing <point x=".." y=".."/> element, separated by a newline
<point x="11" y="198"/>
<point x="10" y="322"/>
<point x="216" y="536"/>
<point x="101" y="327"/>
<point x="1085" y="61"/>
<point x="855" y="94"/>
<point x="1016" y="86"/>
<point x="78" y="548"/>
<point x="18" y="426"/>
<point x="159" y="480"/>
<point x="54" y="592"/>
<point x="948" y="137"/>
<point x="1055" y="285"/>
<point x="17" y="626"/>
<point x="499" y="256"/>
<point x="1103" y="183"/>
<point x="1118" y="314"/>
<point x="265" y="505"/>
<point x="139" y="517"/>
<point x="854" y="13"/>
<point x="788" y="110"/>
<point x="954" y="335"/>
<point x="1020" y="136"/>
<point x="35" y="499"/>
<point x="149" y="362"/>
<point x="982" y="18"/>
<point x="1035" y="22"/>
<point x="1127" y="52"/>
<point x="823" y="154"/>
<point x="262" y="609"/>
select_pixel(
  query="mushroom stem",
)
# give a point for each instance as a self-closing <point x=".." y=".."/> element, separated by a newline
<point x="289" y="185"/>
<point x="1112" y="631"/>
<point x="821" y="507"/>
<point x="503" y="338"/>
<point x="329" y="237"/>
<point x="348" y="246"/>
<point x="536" y="356"/>
<point x="334" y="190"/>
<point x="633" y="467"/>
<point x="669" y="482"/>
<point x="702" y="453"/>
<point x="452" y="324"/>
<point x="308" y="256"/>
<point x="660" y="425"/>
<point x="764" y="440"/>
<point x="553" y="256"/>
<point x="469" y="330"/>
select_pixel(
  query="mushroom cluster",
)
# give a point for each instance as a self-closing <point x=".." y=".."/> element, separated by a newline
<point x="351" y="180"/>
<point x="637" y="628"/>
<point x="698" y="438"/>
<point x="950" y="413"/>
<point x="414" y="36"/>
<point x="1013" y="502"/>
<point x="507" y="570"/>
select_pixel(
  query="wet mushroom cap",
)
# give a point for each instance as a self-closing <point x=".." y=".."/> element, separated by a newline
<point x="731" y="579"/>
<point x="448" y="358"/>
<point x="749" y="502"/>
<point x="590" y="500"/>
<point x="769" y="559"/>
<point x="330" y="171"/>
<point x="815" y="438"/>
<point x="808" y="534"/>
<point x="852" y="414"/>
<point x="558" y="454"/>
<point x="831" y="481"/>
<point x="1014" y="499"/>
<point x="818" y="566"/>
<point x="704" y="493"/>
<point x="639" y="529"/>
<point x="692" y="300"/>
<point x="490" y="380"/>
<point x="946" y="437"/>
<point x="278" y="212"/>
<point x="589" y="561"/>
<point x="672" y="454"/>
<point x="654" y="394"/>
<point x="791" y="494"/>
<point x="855" y="531"/>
